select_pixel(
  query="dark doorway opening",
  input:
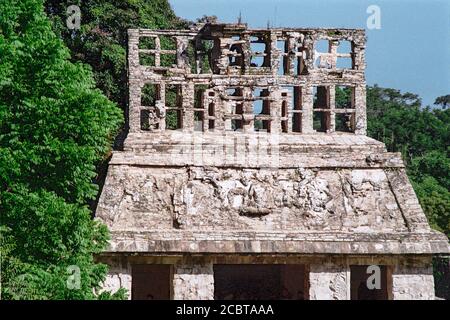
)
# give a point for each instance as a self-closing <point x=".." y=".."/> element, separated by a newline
<point x="151" y="282"/>
<point x="359" y="287"/>
<point x="259" y="282"/>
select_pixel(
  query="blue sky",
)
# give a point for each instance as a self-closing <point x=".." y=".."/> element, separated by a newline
<point x="410" y="52"/>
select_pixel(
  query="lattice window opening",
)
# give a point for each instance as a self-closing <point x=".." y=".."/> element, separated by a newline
<point x="150" y="94"/>
<point x="193" y="58"/>
<point x="151" y="107"/>
<point x="233" y="107"/>
<point x="148" y="47"/>
<point x="236" y="117"/>
<point x="209" y="102"/>
<point x="202" y="98"/>
<point x="211" y="116"/>
<point x="147" y="59"/>
<point x="173" y="107"/>
<point x="339" y="117"/>
<point x="344" y="109"/>
<point x="300" y="56"/>
<point x="297" y="109"/>
<point x="259" y="51"/>
<point x="236" y="52"/>
<point x="168" y="51"/>
<point x="334" y="54"/>
<point x="345" y="122"/>
<point x="293" y="103"/>
<point x="158" y="51"/>
<point x="323" y="57"/>
<point x="199" y="117"/>
<point x="148" y="42"/>
<point x="321" y="109"/>
<point x="344" y="97"/>
<point x="261" y="109"/>
<point x="146" y="120"/>
<point x="283" y="64"/>
<point x="200" y="58"/>
<point x="322" y="121"/>
<point x="321" y="97"/>
<point x="345" y="55"/>
<point x="284" y="114"/>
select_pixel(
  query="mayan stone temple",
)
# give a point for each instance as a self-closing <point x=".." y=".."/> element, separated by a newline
<point x="247" y="173"/>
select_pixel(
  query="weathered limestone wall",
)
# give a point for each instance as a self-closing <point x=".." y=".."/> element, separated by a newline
<point x="119" y="275"/>
<point x="329" y="281"/>
<point x="193" y="282"/>
<point x="330" y="194"/>
<point x="413" y="282"/>
<point x="199" y="198"/>
<point x="329" y="277"/>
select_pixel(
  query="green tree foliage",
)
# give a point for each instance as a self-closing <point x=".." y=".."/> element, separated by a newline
<point x="54" y="127"/>
<point x="343" y="97"/>
<point x="435" y="201"/>
<point x="403" y="125"/>
<point x="434" y="163"/>
<point x="102" y="40"/>
<point x="443" y="101"/>
<point x="430" y="174"/>
<point x="423" y="137"/>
